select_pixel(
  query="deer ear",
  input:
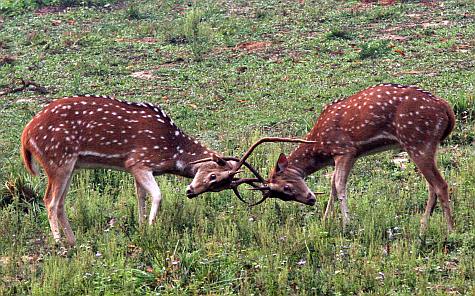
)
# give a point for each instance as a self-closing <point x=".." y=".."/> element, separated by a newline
<point x="282" y="163"/>
<point x="218" y="160"/>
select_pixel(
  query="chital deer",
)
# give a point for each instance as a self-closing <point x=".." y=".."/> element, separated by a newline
<point x="102" y="132"/>
<point x="382" y="117"/>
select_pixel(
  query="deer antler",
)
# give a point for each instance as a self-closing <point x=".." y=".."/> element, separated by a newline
<point x="267" y="140"/>
<point x="249" y="181"/>
<point x="242" y="162"/>
<point x="236" y="171"/>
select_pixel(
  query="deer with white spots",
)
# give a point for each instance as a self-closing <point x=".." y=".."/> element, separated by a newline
<point x="102" y="132"/>
<point x="382" y="117"/>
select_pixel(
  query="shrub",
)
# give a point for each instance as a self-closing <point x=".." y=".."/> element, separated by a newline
<point x="197" y="32"/>
<point x="133" y="13"/>
<point x="374" y="49"/>
<point x="338" y="33"/>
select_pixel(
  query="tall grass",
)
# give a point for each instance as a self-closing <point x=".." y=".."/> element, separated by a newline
<point x="215" y="244"/>
<point x="228" y="96"/>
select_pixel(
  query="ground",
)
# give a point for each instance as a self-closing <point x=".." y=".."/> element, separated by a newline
<point x="229" y="72"/>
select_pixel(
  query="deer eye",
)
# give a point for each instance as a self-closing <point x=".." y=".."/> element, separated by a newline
<point x="212" y="177"/>
<point x="287" y="188"/>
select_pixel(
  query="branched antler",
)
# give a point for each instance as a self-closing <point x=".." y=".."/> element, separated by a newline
<point x="242" y="161"/>
<point x="267" y="140"/>
<point x="264" y="189"/>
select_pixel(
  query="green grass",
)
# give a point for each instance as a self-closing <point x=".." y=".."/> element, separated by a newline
<point x="318" y="51"/>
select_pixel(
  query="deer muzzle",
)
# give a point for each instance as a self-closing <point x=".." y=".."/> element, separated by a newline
<point x="190" y="193"/>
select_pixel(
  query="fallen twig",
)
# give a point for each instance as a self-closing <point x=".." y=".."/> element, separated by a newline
<point x="25" y="85"/>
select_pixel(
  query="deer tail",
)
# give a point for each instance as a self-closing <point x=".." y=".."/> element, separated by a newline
<point x="27" y="157"/>
<point x="450" y="124"/>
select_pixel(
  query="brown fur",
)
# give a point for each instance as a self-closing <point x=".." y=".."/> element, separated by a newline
<point x="379" y="118"/>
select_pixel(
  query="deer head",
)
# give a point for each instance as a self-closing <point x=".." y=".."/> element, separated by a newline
<point x="213" y="174"/>
<point x="219" y="173"/>
<point x="286" y="183"/>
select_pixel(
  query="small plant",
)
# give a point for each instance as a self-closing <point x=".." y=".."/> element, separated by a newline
<point x="464" y="109"/>
<point x="339" y="33"/>
<point x="261" y="14"/>
<point x="68" y="3"/>
<point x="228" y="32"/>
<point x="133" y="13"/>
<point x="198" y="33"/>
<point x="19" y="6"/>
<point x="173" y="33"/>
<point x="15" y="190"/>
<point x="374" y="49"/>
<point x="10" y="6"/>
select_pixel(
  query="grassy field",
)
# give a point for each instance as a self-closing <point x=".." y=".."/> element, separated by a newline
<point x="229" y="72"/>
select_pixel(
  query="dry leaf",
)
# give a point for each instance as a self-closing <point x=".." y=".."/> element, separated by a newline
<point x="400" y="52"/>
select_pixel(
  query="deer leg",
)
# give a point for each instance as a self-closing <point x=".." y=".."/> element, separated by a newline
<point x="343" y="165"/>
<point x="333" y="197"/>
<point x="51" y="210"/>
<point x="431" y="201"/>
<point x="141" y="193"/>
<point x="426" y="164"/>
<point x="54" y="201"/>
<point x="63" y="219"/>
<point x="147" y="182"/>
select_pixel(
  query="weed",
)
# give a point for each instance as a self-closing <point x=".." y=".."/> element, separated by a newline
<point x="381" y="13"/>
<point x="198" y="33"/>
<point x="11" y="6"/>
<point x="228" y="31"/>
<point x="374" y="49"/>
<point x="16" y="191"/>
<point x="339" y="33"/>
<point x="173" y="33"/>
<point x="133" y="12"/>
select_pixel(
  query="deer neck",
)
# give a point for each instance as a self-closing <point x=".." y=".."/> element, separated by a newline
<point x="190" y="150"/>
<point x="307" y="159"/>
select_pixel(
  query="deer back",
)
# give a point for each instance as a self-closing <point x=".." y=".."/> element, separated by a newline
<point x="380" y="117"/>
<point x="105" y="132"/>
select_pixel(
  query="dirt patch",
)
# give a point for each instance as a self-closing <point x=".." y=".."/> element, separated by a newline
<point x="465" y="48"/>
<point x="252" y="46"/>
<point x="26" y="85"/>
<point x="417" y="72"/>
<point x="138" y="40"/>
<point x="62" y="8"/>
<point x="442" y="23"/>
<point x="271" y="51"/>
<point x="150" y="74"/>
<point x="380" y="2"/>
<point x="7" y="59"/>
<point x="394" y="37"/>
<point x="50" y="9"/>
<point x="145" y="75"/>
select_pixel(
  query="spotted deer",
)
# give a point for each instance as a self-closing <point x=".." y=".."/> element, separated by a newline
<point x="102" y="132"/>
<point x="382" y="117"/>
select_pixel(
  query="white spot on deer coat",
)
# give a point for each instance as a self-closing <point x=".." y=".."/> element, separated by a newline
<point x="180" y="165"/>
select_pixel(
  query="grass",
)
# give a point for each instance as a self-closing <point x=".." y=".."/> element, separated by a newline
<point x="228" y="96"/>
